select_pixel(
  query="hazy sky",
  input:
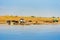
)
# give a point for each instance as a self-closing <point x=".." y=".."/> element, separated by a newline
<point x="30" y="7"/>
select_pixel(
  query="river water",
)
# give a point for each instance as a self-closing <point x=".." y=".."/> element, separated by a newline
<point x="29" y="32"/>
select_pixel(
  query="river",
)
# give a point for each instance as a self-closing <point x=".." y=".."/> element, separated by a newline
<point x="29" y="32"/>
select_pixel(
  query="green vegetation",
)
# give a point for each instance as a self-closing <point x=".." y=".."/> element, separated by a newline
<point x="33" y="16"/>
<point x="55" y="20"/>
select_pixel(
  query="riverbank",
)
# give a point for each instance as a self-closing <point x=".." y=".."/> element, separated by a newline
<point x="28" y="20"/>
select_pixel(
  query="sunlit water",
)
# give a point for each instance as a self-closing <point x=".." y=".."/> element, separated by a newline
<point x="30" y="32"/>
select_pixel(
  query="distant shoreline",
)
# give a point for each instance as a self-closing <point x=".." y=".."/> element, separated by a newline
<point x="28" y="20"/>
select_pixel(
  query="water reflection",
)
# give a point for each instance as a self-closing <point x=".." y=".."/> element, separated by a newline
<point x="32" y="32"/>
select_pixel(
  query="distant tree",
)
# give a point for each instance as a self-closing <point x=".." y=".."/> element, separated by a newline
<point x="53" y="17"/>
<point x="33" y="16"/>
<point x="57" y="17"/>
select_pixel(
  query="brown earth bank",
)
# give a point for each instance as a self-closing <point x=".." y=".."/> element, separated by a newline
<point x="28" y="20"/>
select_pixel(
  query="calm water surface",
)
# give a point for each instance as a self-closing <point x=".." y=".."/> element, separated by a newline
<point x="30" y="32"/>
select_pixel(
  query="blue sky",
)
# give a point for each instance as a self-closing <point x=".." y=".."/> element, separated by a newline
<point x="45" y="8"/>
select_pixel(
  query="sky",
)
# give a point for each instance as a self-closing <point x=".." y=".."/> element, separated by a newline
<point x="46" y="8"/>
